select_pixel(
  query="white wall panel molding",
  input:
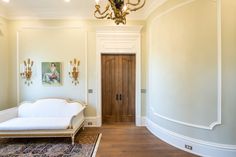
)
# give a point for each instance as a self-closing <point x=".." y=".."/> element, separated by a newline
<point x="119" y="40"/>
<point x="3" y="16"/>
<point x="218" y="120"/>
<point x="199" y="147"/>
<point x="51" y="28"/>
<point x="172" y="9"/>
<point x="153" y="7"/>
<point x="209" y="127"/>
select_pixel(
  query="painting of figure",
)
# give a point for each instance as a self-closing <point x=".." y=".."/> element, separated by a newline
<point x="51" y="73"/>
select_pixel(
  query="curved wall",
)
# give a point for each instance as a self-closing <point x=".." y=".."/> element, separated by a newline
<point x="190" y="75"/>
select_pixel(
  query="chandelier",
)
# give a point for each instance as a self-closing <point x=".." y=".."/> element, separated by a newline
<point x="117" y="9"/>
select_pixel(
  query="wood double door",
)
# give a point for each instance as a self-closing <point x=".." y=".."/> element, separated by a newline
<point x="118" y="88"/>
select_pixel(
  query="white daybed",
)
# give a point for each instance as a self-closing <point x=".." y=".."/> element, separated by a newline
<point x="43" y="118"/>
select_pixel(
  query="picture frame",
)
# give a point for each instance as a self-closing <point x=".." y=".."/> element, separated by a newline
<point x="51" y="73"/>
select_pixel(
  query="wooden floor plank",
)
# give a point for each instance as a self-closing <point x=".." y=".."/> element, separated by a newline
<point x="131" y="141"/>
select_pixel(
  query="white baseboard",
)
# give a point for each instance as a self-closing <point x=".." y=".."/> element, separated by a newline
<point x="199" y="147"/>
<point x="143" y="121"/>
<point x="95" y="122"/>
<point x="91" y="122"/>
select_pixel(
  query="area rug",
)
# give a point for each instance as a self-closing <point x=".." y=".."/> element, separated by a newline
<point x="50" y="147"/>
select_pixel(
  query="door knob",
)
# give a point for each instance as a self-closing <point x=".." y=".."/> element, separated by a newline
<point x="117" y="97"/>
<point x="120" y="97"/>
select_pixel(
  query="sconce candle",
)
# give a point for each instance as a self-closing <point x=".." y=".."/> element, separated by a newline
<point x="74" y="71"/>
<point x="26" y="71"/>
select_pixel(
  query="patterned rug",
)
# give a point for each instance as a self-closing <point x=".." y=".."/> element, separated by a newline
<point x="49" y="147"/>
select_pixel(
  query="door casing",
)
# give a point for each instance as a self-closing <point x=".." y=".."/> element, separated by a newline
<point x="119" y="40"/>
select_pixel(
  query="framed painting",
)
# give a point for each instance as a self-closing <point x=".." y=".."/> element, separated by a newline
<point x="51" y="73"/>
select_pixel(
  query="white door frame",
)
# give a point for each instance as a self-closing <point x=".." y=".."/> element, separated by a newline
<point x="119" y="40"/>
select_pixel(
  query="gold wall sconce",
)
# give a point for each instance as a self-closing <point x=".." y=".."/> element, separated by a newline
<point x="74" y="71"/>
<point x="26" y="71"/>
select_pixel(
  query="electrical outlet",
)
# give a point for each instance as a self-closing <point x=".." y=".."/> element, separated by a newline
<point x="188" y="147"/>
<point x="143" y="91"/>
<point x="90" y="90"/>
<point x="90" y="123"/>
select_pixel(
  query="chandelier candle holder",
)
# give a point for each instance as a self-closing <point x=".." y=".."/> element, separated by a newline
<point x="74" y="71"/>
<point x="117" y="9"/>
<point x="26" y="71"/>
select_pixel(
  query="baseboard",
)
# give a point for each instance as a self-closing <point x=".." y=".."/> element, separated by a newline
<point x="91" y="122"/>
<point x="199" y="147"/>
<point x="95" y="122"/>
<point x="143" y="121"/>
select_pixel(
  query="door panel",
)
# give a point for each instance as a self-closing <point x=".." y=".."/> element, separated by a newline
<point x="118" y="88"/>
<point x="127" y="104"/>
<point x="109" y="76"/>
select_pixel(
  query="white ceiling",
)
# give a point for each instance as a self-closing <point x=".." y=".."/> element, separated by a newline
<point x="58" y="9"/>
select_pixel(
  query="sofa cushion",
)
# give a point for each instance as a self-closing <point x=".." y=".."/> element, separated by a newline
<point x="35" y="124"/>
<point x="49" y="108"/>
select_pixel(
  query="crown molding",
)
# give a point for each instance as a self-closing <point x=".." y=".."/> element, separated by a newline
<point x="153" y="7"/>
<point x="119" y="29"/>
<point x="2" y="15"/>
<point x="53" y="15"/>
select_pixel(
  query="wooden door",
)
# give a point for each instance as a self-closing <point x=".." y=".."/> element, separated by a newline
<point x="118" y="88"/>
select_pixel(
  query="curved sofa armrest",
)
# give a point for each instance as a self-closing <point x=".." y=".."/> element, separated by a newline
<point x="8" y="114"/>
<point x="80" y="102"/>
<point x="76" y="120"/>
<point x="25" y="102"/>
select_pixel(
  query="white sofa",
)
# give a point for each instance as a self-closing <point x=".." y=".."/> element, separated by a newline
<point x="43" y="118"/>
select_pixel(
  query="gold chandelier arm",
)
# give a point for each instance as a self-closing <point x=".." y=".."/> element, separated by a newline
<point x="101" y="14"/>
<point x="117" y="10"/>
<point x="125" y="13"/>
<point x="135" y="4"/>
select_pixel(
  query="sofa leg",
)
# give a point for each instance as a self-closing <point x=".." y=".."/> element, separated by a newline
<point x="73" y="140"/>
<point x="83" y="127"/>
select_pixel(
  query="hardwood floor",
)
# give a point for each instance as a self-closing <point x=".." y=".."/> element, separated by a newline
<point x="125" y="140"/>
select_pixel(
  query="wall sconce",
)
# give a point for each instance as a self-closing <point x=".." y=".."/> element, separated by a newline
<point x="26" y="71"/>
<point x="74" y="71"/>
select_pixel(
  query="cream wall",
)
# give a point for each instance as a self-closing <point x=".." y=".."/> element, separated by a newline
<point x="156" y="56"/>
<point x="4" y="66"/>
<point x="185" y="59"/>
<point x="182" y="76"/>
<point x="28" y="51"/>
<point x="53" y="45"/>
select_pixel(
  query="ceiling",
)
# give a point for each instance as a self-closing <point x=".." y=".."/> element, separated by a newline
<point x="59" y="9"/>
